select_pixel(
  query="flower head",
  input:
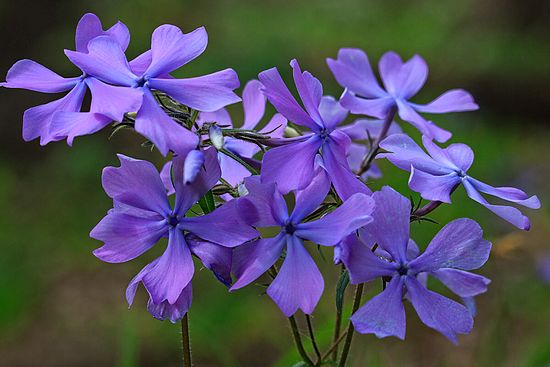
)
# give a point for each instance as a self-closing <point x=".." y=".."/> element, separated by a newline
<point x="142" y="215"/>
<point x="436" y="175"/>
<point x="292" y="166"/>
<point x="299" y="283"/>
<point x="456" y="249"/>
<point x="402" y="80"/>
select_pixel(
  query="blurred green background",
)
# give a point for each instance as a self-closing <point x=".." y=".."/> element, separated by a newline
<point x="60" y="306"/>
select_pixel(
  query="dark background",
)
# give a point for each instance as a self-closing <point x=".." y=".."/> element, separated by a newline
<point x="60" y="306"/>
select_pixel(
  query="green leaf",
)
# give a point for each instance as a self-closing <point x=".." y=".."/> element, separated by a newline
<point x="341" y="290"/>
<point x="207" y="202"/>
<point x="300" y="364"/>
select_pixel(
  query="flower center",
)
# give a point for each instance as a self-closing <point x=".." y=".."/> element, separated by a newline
<point x="403" y="270"/>
<point x="172" y="220"/>
<point x="141" y="82"/>
<point x="289" y="228"/>
<point x="323" y="134"/>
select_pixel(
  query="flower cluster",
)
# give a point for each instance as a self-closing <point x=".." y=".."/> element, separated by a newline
<point x="232" y="184"/>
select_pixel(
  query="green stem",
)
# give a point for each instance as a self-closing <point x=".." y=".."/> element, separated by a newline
<point x="187" y="362"/>
<point x="312" y="337"/>
<point x="298" y="341"/>
<point x="365" y="165"/>
<point x="338" y="324"/>
<point x="334" y="346"/>
<point x="349" y="336"/>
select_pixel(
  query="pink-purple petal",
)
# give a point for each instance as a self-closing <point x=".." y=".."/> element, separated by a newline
<point x="377" y="107"/>
<point x="113" y="101"/>
<point x="299" y="284"/>
<point x="90" y="27"/>
<point x="203" y="93"/>
<point x="384" y="314"/>
<point x="173" y="312"/>
<point x="253" y="104"/>
<point x="437" y="188"/>
<point x="462" y="283"/>
<point x="171" y="48"/>
<point x="72" y="124"/>
<point x="354" y="213"/>
<point x="28" y="74"/>
<point x="458" y="245"/>
<point x="455" y="100"/>
<point x="440" y="313"/>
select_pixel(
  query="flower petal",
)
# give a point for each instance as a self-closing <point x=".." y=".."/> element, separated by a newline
<point x="345" y="182"/>
<point x="253" y="259"/>
<point x="136" y="183"/>
<point x="377" y="107"/>
<point x="126" y="237"/>
<point x="161" y="130"/>
<point x="222" y="226"/>
<point x="507" y="193"/>
<point x="173" y="312"/>
<point x="412" y="77"/>
<point x="253" y="104"/>
<point x="90" y="27"/>
<point x="171" y="48"/>
<point x="28" y="74"/>
<point x="440" y="313"/>
<point x="309" y="199"/>
<point x="390" y="227"/>
<point x="291" y="166"/>
<point x="455" y="100"/>
<point x="263" y="206"/>
<point x="310" y="91"/>
<point x="458" y="245"/>
<point x="362" y="129"/>
<point x="508" y="213"/>
<point x="37" y="120"/>
<point x="299" y="284"/>
<point x="428" y="128"/>
<point x="384" y="314"/>
<point x="214" y="257"/>
<point x="166" y="177"/>
<point x="352" y="70"/>
<point x="332" y="112"/>
<point x="462" y="283"/>
<point x="204" y="93"/>
<point x="363" y="265"/>
<point x="279" y="96"/>
<point x="174" y="270"/>
<point x="72" y="124"/>
<point x="404" y="153"/>
<point x="437" y="188"/>
<point x="113" y="101"/>
<point x="354" y="213"/>
<point x="105" y="60"/>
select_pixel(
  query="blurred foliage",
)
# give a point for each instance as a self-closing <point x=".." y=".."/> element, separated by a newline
<point x="60" y="306"/>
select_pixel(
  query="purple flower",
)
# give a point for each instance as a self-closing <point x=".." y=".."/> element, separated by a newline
<point x="299" y="283"/>
<point x="142" y="215"/>
<point x="292" y="166"/>
<point x="363" y="130"/>
<point x="436" y="175"/>
<point x="254" y="109"/>
<point x="50" y="121"/>
<point x="170" y="49"/>
<point x="401" y="81"/>
<point x="456" y="249"/>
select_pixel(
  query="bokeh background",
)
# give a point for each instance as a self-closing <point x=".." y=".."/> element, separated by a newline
<point x="60" y="306"/>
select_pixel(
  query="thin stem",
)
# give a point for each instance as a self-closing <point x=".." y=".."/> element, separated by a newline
<point x="338" y="324"/>
<point x="312" y="337"/>
<point x="426" y="209"/>
<point x="367" y="161"/>
<point x="298" y="341"/>
<point x="334" y="346"/>
<point x="187" y="362"/>
<point x="349" y="336"/>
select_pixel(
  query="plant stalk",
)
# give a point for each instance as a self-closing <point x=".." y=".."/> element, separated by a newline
<point x="187" y="362"/>
<point x="349" y="336"/>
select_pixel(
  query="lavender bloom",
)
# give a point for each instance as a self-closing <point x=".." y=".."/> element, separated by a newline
<point x="402" y="81"/>
<point x="299" y="284"/>
<point x="254" y="109"/>
<point x="49" y="121"/>
<point x="292" y="166"/>
<point x="456" y="249"/>
<point x="436" y="175"/>
<point x="170" y="49"/>
<point x="363" y="130"/>
<point x="142" y="216"/>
